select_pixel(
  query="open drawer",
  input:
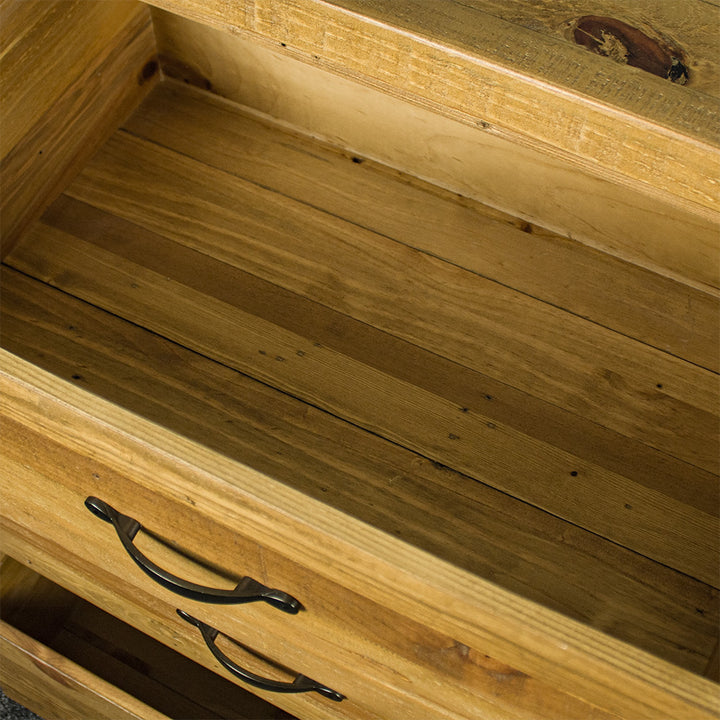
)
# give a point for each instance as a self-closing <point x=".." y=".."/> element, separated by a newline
<point x="65" y="658"/>
<point x="464" y="434"/>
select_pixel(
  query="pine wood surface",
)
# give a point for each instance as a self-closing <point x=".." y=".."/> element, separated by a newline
<point x="656" y="310"/>
<point x="595" y="111"/>
<point x="365" y="345"/>
<point x="467" y="524"/>
<point x="539" y="187"/>
<point x="63" y="93"/>
<point x="392" y="574"/>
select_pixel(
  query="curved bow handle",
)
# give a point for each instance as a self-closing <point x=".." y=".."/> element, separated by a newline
<point x="300" y="684"/>
<point x="247" y="590"/>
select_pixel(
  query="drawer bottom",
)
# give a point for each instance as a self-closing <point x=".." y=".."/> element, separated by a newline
<point x="64" y="658"/>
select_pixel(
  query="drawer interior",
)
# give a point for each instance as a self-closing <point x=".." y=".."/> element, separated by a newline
<point x="120" y="654"/>
<point x="528" y="407"/>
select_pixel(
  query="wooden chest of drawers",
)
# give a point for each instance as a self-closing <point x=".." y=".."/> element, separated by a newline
<point x="359" y="360"/>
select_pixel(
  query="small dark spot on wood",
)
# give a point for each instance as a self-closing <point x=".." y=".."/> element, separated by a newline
<point x="262" y="352"/>
<point x="357" y="160"/>
<point x="492" y="425"/>
<point x="628" y="506"/>
<point x="700" y="611"/>
<point x="464" y="409"/>
<point x="526" y="227"/>
<point x="574" y="473"/>
<point x="488" y="397"/>
<point x="95" y="476"/>
<point x="77" y="376"/>
<point x="283" y="44"/>
<point x="452" y="436"/>
<point x="40" y="152"/>
<point x="149" y="69"/>
<point x="190" y="500"/>
<point x="439" y="465"/>
<point x="323" y="489"/>
<point x="678" y="73"/>
<point x="71" y="327"/>
<point x="317" y="344"/>
<point x="280" y="358"/>
<point x="659" y="386"/>
<point x="300" y="353"/>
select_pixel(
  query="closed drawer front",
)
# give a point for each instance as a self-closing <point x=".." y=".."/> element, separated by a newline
<point x="65" y="658"/>
<point x="213" y="533"/>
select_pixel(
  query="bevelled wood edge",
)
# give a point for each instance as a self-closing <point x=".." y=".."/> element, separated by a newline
<point x="50" y="684"/>
<point x="614" y="120"/>
<point x="542" y="643"/>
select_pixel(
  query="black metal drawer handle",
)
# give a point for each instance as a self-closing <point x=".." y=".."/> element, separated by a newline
<point x="247" y="590"/>
<point x="299" y="685"/>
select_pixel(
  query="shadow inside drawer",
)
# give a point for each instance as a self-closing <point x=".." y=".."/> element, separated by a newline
<point x="118" y="653"/>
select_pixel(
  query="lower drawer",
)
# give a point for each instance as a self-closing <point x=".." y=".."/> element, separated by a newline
<point x="65" y="658"/>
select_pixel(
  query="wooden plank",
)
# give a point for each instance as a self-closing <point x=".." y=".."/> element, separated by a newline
<point x="646" y="306"/>
<point x="690" y="28"/>
<point x="69" y="73"/>
<point x="591" y="371"/>
<point x="57" y="688"/>
<point x="662" y="526"/>
<point x="536" y="186"/>
<point x="563" y="653"/>
<point x="635" y="128"/>
<point x="463" y="522"/>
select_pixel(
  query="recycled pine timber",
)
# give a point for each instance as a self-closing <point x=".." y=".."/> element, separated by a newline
<point x="393" y="574"/>
<point x="690" y="27"/>
<point x="537" y="186"/>
<point x="69" y="74"/>
<point x="348" y="332"/>
<point x="659" y="312"/>
<point x="595" y="112"/>
<point x="448" y="515"/>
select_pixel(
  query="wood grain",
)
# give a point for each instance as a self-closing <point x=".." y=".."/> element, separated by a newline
<point x="539" y="187"/>
<point x="295" y="361"/>
<point x="667" y="404"/>
<point x="646" y="306"/>
<point x="69" y="73"/>
<point x="527" y="552"/>
<point x="476" y="614"/>
<point x="595" y="113"/>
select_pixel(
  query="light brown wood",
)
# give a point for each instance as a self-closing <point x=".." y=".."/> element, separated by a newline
<point x="69" y="73"/>
<point x="233" y="220"/>
<point x="595" y="113"/>
<point x="645" y="306"/>
<point x="539" y="187"/>
<point x="382" y="569"/>
<point x="446" y="514"/>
